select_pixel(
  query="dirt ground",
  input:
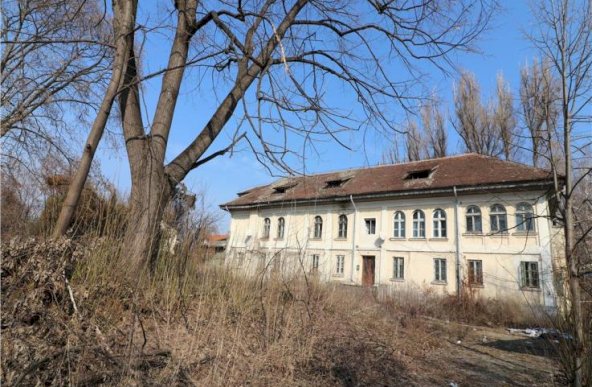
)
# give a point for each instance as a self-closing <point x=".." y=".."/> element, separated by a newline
<point x="483" y="356"/>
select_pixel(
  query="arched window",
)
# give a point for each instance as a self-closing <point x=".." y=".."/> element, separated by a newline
<point x="399" y="225"/>
<point x="418" y="224"/>
<point x="266" y="227"/>
<point x="342" y="232"/>
<point x="474" y="219"/>
<point x="524" y="217"/>
<point x="281" y="228"/>
<point x="318" y="227"/>
<point x="439" y="224"/>
<point x="498" y="219"/>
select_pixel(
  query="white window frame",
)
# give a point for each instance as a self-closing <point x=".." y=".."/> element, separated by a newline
<point x="318" y="227"/>
<point x="418" y="224"/>
<point x="398" y="268"/>
<point x="370" y="224"/>
<point x="342" y="230"/>
<point x="439" y="220"/>
<point x="440" y="270"/>
<point x="475" y="272"/>
<point x="399" y="225"/>
<point x="340" y="265"/>
<point x="474" y="215"/>
<point x="497" y="214"/>
<point x="524" y="217"/>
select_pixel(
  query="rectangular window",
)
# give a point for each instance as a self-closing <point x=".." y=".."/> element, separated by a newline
<point x="398" y="268"/>
<point x="315" y="263"/>
<point x="439" y="269"/>
<point x="475" y="272"/>
<point x="340" y="265"/>
<point x="370" y="226"/>
<point x="529" y="274"/>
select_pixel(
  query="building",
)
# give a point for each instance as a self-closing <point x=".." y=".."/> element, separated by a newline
<point x="445" y="225"/>
<point x="215" y="245"/>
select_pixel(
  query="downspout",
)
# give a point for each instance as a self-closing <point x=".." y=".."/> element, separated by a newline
<point x="229" y="244"/>
<point x="457" y="242"/>
<point x="353" y="257"/>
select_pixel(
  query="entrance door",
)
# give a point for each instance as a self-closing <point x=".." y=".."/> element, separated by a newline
<point x="368" y="270"/>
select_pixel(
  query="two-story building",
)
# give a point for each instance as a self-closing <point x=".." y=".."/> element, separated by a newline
<point x="467" y="221"/>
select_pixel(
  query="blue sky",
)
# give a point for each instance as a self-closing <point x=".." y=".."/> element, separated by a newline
<point x="504" y="49"/>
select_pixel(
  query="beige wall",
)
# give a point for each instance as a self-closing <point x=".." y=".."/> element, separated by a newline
<point x="500" y="254"/>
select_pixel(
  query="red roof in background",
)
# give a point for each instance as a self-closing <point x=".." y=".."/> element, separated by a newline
<point x="217" y="237"/>
<point x="467" y="170"/>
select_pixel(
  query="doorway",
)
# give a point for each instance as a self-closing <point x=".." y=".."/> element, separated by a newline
<point x="368" y="266"/>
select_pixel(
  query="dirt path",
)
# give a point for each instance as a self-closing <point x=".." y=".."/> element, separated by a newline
<point x="481" y="356"/>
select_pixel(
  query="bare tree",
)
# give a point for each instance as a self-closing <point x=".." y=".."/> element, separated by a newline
<point x="473" y="120"/>
<point x="414" y="142"/>
<point x="565" y="39"/>
<point x="279" y="58"/>
<point x="55" y="58"/>
<point x="504" y="121"/>
<point x="433" y="123"/>
<point x="539" y="98"/>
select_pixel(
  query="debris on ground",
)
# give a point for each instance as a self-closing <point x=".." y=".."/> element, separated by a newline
<point x="543" y="333"/>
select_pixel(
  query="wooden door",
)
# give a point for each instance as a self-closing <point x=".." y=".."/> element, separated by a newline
<point x="368" y="270"/>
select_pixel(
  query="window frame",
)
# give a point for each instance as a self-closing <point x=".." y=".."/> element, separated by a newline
<point x="475" y="272"/>
<point x="314" y="266"/>
<point x="473" y="216"/>
<point x="495" y="213"/>
<point x="342" y="226"/>
<point x="439" y="223"/>
<point x="524" y="217"/>
<point x="318" y="227"/>
<point x="398" y="268"/>
<point x="370" y="224"/>
<point x="419" y="224"/>
<point x="440" y="270"/>
<point x="340" y="265"/>
<point x="399" y="224"/>
<point x="266" y="228"/>
<point x="530" y="277"/>
<point x="281" y="228"/>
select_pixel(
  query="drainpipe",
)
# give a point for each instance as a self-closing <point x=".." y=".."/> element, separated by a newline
<point x="457" y="241"/>
<point x="351" y="275"/>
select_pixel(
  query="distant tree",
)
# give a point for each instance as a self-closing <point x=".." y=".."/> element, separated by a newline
<point x="504" y="120"/>
<point x="486" y="129"/>
<point x="539" y="101"/>
<point x="434" y="127"/>
<point x="472" y="120"/>
<point x="414" y="142"/>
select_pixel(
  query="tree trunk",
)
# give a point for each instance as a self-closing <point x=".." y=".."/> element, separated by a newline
<point x="124" y="21"/>
<point x="151" y="191"/>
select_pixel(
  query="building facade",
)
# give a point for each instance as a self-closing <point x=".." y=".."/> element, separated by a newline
<point x="444" y="225"/>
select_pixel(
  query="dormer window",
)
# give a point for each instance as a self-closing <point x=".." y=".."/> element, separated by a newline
<point x="419" y="174"/>
<point x="243" y="193"/>
<point x="282" y="188"/>
<point x="335" y="183"/>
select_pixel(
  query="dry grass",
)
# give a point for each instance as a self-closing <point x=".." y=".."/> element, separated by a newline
<point x="196" y="324"/>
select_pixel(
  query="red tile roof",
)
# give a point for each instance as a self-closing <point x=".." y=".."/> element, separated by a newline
<point x="462" y="171"/>
<point x="217" y="237"/>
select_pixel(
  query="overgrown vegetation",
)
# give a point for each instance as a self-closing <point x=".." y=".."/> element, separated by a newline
<point x="72" y="315"/>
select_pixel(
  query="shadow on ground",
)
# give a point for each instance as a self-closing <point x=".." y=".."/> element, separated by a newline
<point x="536" y="347"/>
